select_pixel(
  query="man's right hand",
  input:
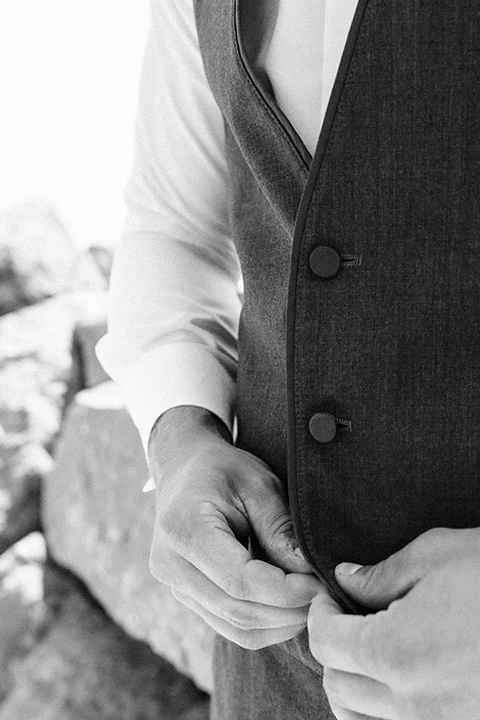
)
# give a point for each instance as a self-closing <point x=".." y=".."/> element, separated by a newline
<point x="214" y="502"/>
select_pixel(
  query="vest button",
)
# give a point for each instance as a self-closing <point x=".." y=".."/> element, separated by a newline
<point x="323" y="427"/>
<point x="324" y="261"/>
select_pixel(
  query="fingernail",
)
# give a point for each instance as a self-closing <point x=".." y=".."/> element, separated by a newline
<point x="347" y="568"/>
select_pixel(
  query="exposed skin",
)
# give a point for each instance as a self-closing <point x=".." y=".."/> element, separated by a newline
<point x="418" y="657"/>
<point x="415" y="657"/>
<point x="214" y="503"/>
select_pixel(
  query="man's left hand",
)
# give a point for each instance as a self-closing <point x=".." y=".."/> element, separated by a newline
<point x="418" y="658"/>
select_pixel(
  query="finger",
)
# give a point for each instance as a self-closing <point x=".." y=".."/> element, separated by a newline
<point x="342" y="714"/>
<point x="336" y="639"/>
<point x="359" y="694"/>
<point x="271" y="520"/>
<point x="185" y="579"/>
<point x="227" y="563"/>
<point x="376" y="586"/>
<point x="250" y="639"/>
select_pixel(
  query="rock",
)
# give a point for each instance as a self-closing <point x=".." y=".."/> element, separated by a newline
<point x="37" y="377"/>
<point x="36" y="364"/>
<point x="20" y="511"/>
<point x="21" y="605"/>
<point x="85" y="337"/>
<point x="81" y="666"/>
<point x="38" y="259"/>
<point x="99" y="525"/>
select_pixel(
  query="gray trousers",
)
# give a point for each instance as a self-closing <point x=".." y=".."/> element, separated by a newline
<point x="281" y="682"/>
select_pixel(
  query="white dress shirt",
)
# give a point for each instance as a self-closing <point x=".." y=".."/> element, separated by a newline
<point x="174" y="304"/>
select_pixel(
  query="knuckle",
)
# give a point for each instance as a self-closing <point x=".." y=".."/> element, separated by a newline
<point x="406" y="658"/>
<point x="176" y="531"/>
<point x="188" y="528"/>
<point x="158" y="570"/>
<point x="398" y="665"/>
<point x="418" y="704"/>
<point x="236" y="587"/>
<point x="162" y="565"/>
<point x="250" y="640"/>
<point x="371" y="651"/>
<point x="423" y="544"/>
<point x="180" y="596"/>
<point x="240" y="617"/>
<point x="434" y="546"/>
<point x="397" y="655"/>
<point x="401" y="656"/>
<point x="265" y="484"/>
<point x="280" y="524"/>
<point x="436" y="533"/>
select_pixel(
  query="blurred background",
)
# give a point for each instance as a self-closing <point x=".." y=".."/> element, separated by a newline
<point x="85" y="632"/>
<point x="69" y="74"/>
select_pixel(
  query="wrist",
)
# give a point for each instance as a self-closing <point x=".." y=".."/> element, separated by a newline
<point x="181" y="431"/>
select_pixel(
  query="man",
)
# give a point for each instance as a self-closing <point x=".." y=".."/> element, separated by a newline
<point x="355" y="383"/>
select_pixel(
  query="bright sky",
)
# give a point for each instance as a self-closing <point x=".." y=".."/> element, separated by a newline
<point x="69" y="72"/>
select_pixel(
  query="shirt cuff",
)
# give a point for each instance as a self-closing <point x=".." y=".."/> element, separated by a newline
<point x="172" y="375"/>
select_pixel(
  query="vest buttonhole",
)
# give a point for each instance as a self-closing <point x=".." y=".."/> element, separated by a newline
<point x="344" y="424"/>
<point x="351" y="260"/>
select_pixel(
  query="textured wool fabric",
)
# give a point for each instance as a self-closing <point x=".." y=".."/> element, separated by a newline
<point x="390" y="345"/>
<point x="282" y="682"/>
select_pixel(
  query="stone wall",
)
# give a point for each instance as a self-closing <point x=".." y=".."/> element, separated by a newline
<point x="72" y="470"/>
<point x="99" y="524"/>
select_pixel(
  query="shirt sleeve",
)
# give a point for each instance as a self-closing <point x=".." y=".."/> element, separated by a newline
<point x="174" y="304"/>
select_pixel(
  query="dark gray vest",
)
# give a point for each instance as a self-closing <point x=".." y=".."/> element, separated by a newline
<point x="359" y="369"/>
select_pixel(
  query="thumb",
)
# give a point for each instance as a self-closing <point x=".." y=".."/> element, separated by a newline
<point x="376" y="586"/>
<point x="274" y="535"/>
